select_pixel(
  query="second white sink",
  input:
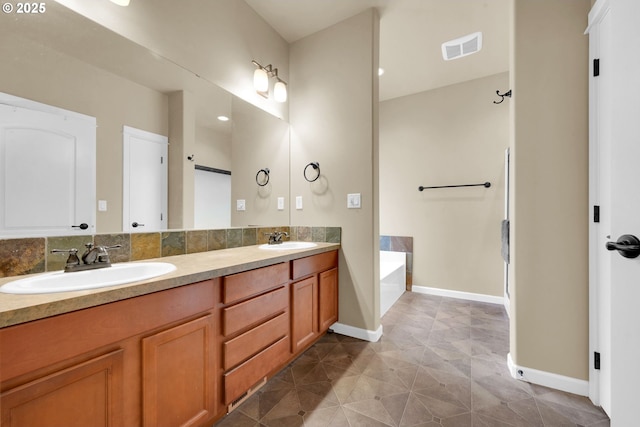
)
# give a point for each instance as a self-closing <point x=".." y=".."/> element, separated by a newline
<point x="284" y="246"/>
<point x="59" y="281"/>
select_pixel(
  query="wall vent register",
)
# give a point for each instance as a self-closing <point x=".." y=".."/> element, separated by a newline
<point x="462" y="46"/>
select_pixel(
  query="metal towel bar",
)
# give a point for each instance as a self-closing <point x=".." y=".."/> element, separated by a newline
<point x="485" y="184"/>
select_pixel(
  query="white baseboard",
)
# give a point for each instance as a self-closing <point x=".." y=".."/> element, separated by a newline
<point x="359" y="333"/>
<point x="548" y="379"/>
<point x="458" y="294"/>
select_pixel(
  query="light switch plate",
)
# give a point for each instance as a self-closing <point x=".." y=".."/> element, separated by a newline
<point x="102" y="205"/>
<point x="280" y="203"/>
<point x="240" y="205"/>
<point x="298" y="202"/>
<point x="353" y="201"/>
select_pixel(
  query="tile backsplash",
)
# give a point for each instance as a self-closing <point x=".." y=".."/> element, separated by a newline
<point x="33" y="255"/>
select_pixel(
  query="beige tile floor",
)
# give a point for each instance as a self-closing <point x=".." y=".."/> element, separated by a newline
<point x="440" y="362"/>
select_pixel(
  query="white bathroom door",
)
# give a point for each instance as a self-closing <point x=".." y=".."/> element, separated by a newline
<point x="47" y="170"/>
<point x="601" y="101"/>
<point x="625" y="210"/>
<point x="619" y="277"/>
<point x="145" y="177"/>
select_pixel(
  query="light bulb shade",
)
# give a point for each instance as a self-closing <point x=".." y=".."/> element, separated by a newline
<point x="121" y="2"/>
<point x="261" y="80"/>
<point x="280" y="91"/>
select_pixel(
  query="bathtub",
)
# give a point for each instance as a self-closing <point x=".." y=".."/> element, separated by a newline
<point x="393" y="278"/>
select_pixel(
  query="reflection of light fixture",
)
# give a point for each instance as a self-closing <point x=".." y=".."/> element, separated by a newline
<point x="223" y="118"/>
<point x="261" y="82"/>
<point x="121" y="2"/>
<point x="380" y="71"/>
<point x="280" y="91"/>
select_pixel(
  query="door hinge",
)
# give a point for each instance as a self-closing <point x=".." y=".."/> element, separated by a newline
<point x="596" y="67"/>
<point x="596" y="360"/>
<point x="161" y="160"/>
<point x="596" y="213"/>
<point x="160" y="216"/>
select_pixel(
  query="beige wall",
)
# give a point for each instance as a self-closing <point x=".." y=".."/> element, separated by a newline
<point x="44" y="75"/>
<point x="549" y="322"/>
<point x="213" y="148"/>
<point x="334" y="122"/>
<point x="251" y="124"/>
<point x="448" y="136"/>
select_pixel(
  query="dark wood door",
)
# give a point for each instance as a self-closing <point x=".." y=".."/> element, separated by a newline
<point x="328" y="298"/>
<point x="86" y="394"/>
<point x="178" y="384"/>
<point x="304" y="312"/>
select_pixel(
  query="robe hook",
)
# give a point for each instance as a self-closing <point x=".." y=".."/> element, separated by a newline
<point x="502" y="95"/>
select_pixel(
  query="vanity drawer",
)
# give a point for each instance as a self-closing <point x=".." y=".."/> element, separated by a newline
<point x="314" y="264"/>
<point x="243" y="285"/>
<point x="247" y="313"/>
<point x="255" y="340"/>
<point x="253" y="370"/>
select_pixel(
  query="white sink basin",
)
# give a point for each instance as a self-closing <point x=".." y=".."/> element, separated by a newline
<point x="59" y="281"/>
<point x="284" y="246"/>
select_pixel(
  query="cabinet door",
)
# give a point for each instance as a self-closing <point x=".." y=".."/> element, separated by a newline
<point x="328" y="298"/>
<point x="87" y="394"/>
<point x="178" y="375"/>
<point x="304" y="312"/>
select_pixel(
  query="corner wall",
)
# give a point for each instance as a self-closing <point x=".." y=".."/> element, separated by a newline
<point x="447" y="136"/>
<point x="549" y="322"/>
<point x="333" y="117"/>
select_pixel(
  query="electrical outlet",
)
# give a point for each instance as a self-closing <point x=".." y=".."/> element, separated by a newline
<point x="240" y="205"/>
<point x="353" y="201"/>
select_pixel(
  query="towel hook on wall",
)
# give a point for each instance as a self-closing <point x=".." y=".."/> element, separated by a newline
<point x="502" y="95"/>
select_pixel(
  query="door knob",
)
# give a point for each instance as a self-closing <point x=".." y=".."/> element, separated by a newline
<point x="135" y="224"/>
<point x="82" y="226"/>
<point x="627" y="245"/>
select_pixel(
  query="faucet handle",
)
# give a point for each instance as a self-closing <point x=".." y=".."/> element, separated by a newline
<point x="72" y="251"/>
<point x="73" y="255"/>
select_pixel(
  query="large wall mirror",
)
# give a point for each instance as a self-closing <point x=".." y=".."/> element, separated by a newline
<point x="65" y="60"/>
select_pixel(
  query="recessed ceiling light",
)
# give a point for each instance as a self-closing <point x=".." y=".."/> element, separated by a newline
<point x="462" y="46"/>
<point x="223" y="118"/>
<point x="380" y="71"/>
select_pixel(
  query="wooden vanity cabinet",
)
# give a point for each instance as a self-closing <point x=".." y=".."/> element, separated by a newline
<point x="254" y="328"/>
<point x="85" y="394"/>
<point x="178" y="375"/>
<point x="314" y="298"/>
<point x="147" y="360"/>
<point x="179" y="357"/>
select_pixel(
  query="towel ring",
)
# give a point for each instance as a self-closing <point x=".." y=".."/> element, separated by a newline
<point x="315" y="166"/>
<point x="265" y="179"/>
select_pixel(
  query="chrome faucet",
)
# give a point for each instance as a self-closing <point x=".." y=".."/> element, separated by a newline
<point x="275" y="238"/>
<point x="94" y="257"/>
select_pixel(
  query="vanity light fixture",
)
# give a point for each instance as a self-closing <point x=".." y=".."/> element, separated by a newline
<point x="121" y="2"/>
<point x="261" y="82"/>
<point x="280" y="91"/>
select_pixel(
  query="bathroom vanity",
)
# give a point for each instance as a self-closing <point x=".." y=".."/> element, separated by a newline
<point x="182" y="349"/>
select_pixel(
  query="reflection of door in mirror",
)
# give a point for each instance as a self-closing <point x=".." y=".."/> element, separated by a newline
<point x="47" y="169"/>
<point x="212" y="194"/>
<point x="144" y="181"/>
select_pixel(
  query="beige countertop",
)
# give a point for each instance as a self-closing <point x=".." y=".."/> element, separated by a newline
<point x="15" y="309"/>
